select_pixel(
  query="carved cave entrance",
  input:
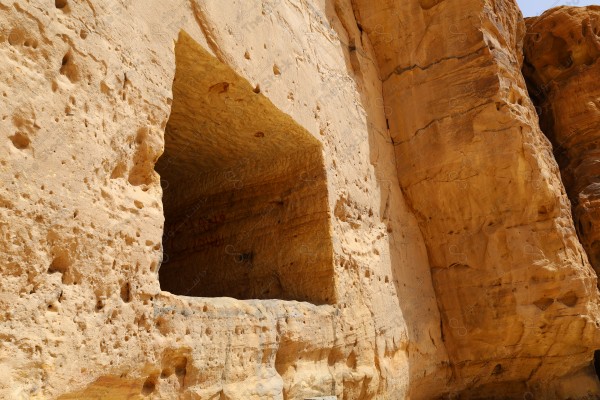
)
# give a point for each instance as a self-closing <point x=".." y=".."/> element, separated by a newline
<point x="244" y="191"/>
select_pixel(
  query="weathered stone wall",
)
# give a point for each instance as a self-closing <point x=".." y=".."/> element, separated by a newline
<point x="486" y="190"/>
<point x="448" y="264"/>
<point x="90" y="95"/>
<point x="562" y="50"/>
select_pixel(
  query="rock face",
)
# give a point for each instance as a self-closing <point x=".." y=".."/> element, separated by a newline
<point x="562" y="64"/>
<point x="480" y="177"/>
<point x="283" y="200"/>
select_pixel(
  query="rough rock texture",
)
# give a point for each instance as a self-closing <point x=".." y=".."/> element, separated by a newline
<point x="88" y="89"/>
<point x="480" y="177"/>
<point x="562" y="50"/>
<point x="365" y="181"/>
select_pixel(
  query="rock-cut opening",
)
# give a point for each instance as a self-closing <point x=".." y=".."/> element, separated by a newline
<point x="244" y="191"/>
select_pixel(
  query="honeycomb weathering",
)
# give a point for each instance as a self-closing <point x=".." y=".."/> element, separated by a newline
<point x="283" y="200"/>
<point x="245" y="197"/>
<point x="563" y="67"/>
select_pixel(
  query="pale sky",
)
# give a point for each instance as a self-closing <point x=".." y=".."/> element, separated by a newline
<point x="536" y="7"/>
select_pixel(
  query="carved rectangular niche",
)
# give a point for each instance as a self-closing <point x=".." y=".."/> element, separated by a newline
<point x="244" y="191"/>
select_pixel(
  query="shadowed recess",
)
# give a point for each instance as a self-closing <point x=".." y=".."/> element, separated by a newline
<point x="244" y="191"/>
<point x="597" y="363"/>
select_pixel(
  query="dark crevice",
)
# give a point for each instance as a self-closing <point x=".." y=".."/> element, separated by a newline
<point x="597" y="363"/>
<point x="400" y="70"/>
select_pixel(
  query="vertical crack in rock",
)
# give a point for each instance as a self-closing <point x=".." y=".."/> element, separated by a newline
<point x="424" y="353"/>
<point x="205" y="26"/>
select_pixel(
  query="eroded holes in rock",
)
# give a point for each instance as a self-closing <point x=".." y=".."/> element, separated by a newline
<point x="16" y="37"/>
<point x="149" y="385"/>
<point x="61" y="264"/>
<point x="20" y="140"/>
<point x="225" y="188"/>
<point x="126" y="292"/>
<point x="68" y="68"/>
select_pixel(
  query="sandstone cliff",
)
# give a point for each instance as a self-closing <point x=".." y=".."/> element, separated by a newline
<point x="562" y="49"/>
<point x="480" y="177"/>
<point x="285" y="199"/>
